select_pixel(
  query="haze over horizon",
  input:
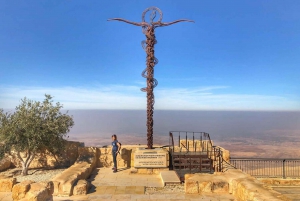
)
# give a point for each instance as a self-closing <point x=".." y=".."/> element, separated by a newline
<point x="238" y="55"/>
<point x="95" y="127"/>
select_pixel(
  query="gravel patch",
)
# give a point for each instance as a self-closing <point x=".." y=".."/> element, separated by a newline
<point x="174" y="188"/>
<point x="36" y="175"/>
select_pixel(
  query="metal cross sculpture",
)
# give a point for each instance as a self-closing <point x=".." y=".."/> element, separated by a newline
<point x="148" y="45"/>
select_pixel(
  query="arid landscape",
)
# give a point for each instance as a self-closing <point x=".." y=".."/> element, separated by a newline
<point x="270" y="145"/>
<point x="283" y="144"/>
<point x="249" y="147"/>
<point x="243" y="133"/>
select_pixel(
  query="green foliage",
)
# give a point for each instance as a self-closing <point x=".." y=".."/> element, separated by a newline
<point x="34" y="127"/>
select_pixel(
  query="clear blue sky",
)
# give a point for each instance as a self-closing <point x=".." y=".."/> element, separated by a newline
<point x="238" y="55"/>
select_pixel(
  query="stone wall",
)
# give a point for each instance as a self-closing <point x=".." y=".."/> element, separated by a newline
<point x="197" y="145"/>
<point x="280" y="182"/>
<point x="29" y="190"/>
<point x="241" y="185"/>
<point x="6" y="184"/>
<point x="123" y="159"/>
<point x="65" y="182"/>
<point x="47" y="160"/>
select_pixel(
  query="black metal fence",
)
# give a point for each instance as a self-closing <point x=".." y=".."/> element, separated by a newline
<point x="190" y="141"/>
<point x="268" y="167"/>
<point x="194" y="152"/>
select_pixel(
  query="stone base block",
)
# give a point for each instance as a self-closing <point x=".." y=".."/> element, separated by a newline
<point x="81" y="188"/>
<point x="19" y="190"/>
<point x="64" y="183"/>
<point x="148" y="170"/>
<point x="6" y="185"/>
<point x="40" y="191"/>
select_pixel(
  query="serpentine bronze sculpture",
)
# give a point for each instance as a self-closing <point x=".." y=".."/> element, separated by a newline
<point x="148" y="73"/>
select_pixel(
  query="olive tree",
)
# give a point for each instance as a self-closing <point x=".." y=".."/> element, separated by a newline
<point x="33" y="127"/>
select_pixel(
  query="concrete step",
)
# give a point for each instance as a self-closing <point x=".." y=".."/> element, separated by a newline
<point x="169" y="177"/>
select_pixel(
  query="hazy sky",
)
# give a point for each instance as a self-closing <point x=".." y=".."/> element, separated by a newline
<point x="238" y="55"/>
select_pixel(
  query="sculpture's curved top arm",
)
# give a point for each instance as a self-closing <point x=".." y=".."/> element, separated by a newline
<point x="129" y="22"/>
<point x="162" y="24"/>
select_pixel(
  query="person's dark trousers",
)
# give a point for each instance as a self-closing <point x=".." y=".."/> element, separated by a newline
<point x="114" y="154"/>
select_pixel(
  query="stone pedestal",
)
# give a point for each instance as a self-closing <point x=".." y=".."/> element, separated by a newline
<point x="150" y="161"/>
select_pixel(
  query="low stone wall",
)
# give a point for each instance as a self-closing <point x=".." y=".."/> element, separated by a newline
<point x="241" y="185"/>
<point x="6" y="184"/>
<point x="196" y="145"/>
<point x="71" y="181"/>
<point x="104" y="159"/>
<point x="225" y="154"/>
<point x="65" y="182"/>
<point x="47" y="160"/>
<point x="125" y="159"/>
<point x="280" y="182"/>
<point x="29" y="190"/>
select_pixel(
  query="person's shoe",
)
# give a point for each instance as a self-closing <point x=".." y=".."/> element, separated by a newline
<point x="115" y="171"/>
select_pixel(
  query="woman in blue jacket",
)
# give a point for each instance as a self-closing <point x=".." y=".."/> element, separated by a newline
<point x="116" y="146"/>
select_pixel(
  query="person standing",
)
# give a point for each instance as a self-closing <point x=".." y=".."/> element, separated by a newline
<point x="116" y="146"/>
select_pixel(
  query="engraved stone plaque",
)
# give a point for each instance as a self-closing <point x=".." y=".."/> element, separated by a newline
<point x="150" y="158"/>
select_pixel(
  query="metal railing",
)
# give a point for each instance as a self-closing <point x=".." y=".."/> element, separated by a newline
<point x="191" y="148"/>
<point x="191" y="141"/>
<point x="218" y="161"/>
<point x="268" y="167"/>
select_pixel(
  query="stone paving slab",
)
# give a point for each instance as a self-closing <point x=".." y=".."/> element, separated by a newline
<point x="135" y="197"/>
<point x="105" y="177"/>
<point x="117" y="190"/>
<point x="169" y="177"/>
<point x="292" y="192"/>
<point x="5" y="196"/>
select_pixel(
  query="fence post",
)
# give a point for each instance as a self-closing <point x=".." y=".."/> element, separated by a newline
<point x="283" y="169"/>
<point x="220" y="160"/>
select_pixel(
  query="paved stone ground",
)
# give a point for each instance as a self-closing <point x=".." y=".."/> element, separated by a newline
<point x="124" y="186"/>
<point x="137" y="197"/>
<point x="291" y="192"/>
<point x="5" y="196"/>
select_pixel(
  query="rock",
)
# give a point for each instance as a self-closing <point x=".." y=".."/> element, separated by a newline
<point x="5" y="164"/>
<point x="82" y="169"/>
<point x="205" y="187"/>
<point x="124" y="159"/>
<point x="226" y="155"/>
<point x="105" y="158"/>
<point x="19" y="190"/>
<point x="220" y="186"/>
<point x="6" y="185"/>
<point x="191" y="186"/>
<point x="81" y="187"/>
<point x="198" y="145"/>
<point x="39" y="191"/>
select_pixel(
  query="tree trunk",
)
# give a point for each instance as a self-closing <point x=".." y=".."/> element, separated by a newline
<point x="24" y="170"/>
<point x="26" y="163"/>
